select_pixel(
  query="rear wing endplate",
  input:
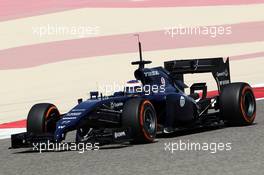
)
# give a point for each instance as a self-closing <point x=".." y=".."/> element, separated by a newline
<point x="219" y="69"/>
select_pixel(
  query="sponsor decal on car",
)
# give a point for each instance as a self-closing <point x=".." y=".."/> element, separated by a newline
<point x="119" y="134"/>
<point x="224" y="82"/>
<point x="78" y="110"/>
<point x="65" y="122"/>
<point x="222" y="74"/>
<point x="61" y="127"/>
<point x="162" y="80"/>
<point x="69" y="118"/>
<point x="73" y="114"/>
<point x="182" y="101"/>
<point x="151" y="73"/>
<point x="115" y="105"/>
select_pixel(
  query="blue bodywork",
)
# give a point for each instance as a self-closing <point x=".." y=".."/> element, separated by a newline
<point x="157" y="76"/>
<point x="120" y="117"/>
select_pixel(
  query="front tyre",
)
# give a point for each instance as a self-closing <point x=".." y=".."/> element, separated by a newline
<point x="42" y="118"/>
<point x="139" y="115"/>
<point x="238" y="104"/>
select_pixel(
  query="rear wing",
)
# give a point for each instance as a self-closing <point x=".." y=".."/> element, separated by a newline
<point x="219" y="69"/>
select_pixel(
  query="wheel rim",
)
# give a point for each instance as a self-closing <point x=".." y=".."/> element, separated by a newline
<point x="249" y="104"/>
<point x="149" y="121"/>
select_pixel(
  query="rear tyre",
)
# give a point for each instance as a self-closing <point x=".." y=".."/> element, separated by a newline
<point x="238" y="104"/>
<point x="139" y="115"/>
<point x="42" y="118"/>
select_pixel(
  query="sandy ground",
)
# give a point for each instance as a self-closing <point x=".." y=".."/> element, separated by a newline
<point x="120" y="21"/>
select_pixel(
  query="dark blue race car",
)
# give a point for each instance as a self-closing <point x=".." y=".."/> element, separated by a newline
<point x="158" y="105"/>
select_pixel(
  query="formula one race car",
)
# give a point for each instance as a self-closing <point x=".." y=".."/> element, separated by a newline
<point x="136" y="116"/>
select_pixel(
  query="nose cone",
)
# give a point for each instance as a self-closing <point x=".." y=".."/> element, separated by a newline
<point x="71" y="119"/>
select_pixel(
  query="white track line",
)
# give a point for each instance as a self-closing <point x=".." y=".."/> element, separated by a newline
<point x="258" y="85"/>
<point x="7" y="132"/>
<point x="258" y="99"/>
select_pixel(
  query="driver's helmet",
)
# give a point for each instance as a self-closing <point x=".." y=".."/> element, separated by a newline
<point x="133" y="87"/>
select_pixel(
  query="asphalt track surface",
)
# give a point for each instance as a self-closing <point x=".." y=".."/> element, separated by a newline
<point x="245" y="157"/>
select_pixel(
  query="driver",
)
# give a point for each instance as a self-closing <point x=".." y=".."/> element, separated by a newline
<point x="133" y="87"/>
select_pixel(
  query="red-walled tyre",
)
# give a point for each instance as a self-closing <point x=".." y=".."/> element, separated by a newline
<point x="42" y="118"/>
<point x="139" y="115"/>
<point x="238" y="104"/>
